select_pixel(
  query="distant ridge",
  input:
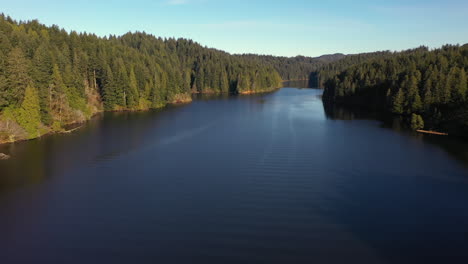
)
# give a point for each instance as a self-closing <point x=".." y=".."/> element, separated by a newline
<point x="331" y="57"/>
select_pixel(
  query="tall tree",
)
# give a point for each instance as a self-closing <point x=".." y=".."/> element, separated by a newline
<point x="17" y="77"/>
<point x="29" y="114"/>
<point x="133" y="96"/>
<point x="58" y="102"/>
<point x="398" y="102"/>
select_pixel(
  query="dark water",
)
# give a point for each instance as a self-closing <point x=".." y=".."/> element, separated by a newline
<point x="249" y="179"/>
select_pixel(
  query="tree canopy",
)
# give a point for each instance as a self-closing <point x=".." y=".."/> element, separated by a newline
<point x="74" y="75"/>
<point x="426" y="86"/>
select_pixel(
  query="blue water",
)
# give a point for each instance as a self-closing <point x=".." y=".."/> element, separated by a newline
<point x="249" y="179"/>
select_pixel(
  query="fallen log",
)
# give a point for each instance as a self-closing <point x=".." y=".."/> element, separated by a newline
<point x="432" y="132"/>
<point x="71" y="130"/>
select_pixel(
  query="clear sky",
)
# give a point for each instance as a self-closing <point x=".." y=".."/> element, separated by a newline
<point x="286" y="28"/>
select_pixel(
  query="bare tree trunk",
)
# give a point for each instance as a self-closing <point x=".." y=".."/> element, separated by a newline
<point x="60" y="109"/>
<point x="95" y="81"/>
<point x="50" y="97"/>
<point x="125" y="99"/>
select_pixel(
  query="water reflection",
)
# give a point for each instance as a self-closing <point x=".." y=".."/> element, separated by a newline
<point x="32" y="168"/>
<point x="300" y="84"/>
<point x="102" y="138"/>
<point x="456" y="147"/>
<point x="267" y="178"/>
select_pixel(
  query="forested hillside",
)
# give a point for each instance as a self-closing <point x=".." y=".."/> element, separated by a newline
<point x="330" y="70"/>
<point x="427" y="87"/>
<point x="50" y="77"/>
<point x="295" y="68"/>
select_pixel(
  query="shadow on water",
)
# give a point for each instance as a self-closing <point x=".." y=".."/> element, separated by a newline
<point x="259" y="179"/>
<point x="104" y="137"/>
<point x="299" y="84"/>
<point x="456" y="147"/>
<point x="398" y="211"/>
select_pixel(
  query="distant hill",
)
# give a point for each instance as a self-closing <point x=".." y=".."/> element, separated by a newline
<point x="295" y="68"/>
<point x="331" y="57"/>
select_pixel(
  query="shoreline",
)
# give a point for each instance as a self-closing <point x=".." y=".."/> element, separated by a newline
<point x="83" y="122"/>
<point x="64" y="131"/>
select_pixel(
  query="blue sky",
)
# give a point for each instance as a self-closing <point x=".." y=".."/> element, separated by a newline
<point x="285" y="28"/>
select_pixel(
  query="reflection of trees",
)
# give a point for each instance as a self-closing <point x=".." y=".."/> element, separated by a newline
<point x="208" y="97"/>
<point x="339" y="112"/>
<point x="298" y="84"/>
<point x="27" y="166"/>
<point x="456" y="147"/>
<point x="335" y="112"/>
<point x="313" y="81"/>
<point x="33" y="162"/>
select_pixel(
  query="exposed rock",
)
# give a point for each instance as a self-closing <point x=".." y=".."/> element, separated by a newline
<point x="4" y="156"/>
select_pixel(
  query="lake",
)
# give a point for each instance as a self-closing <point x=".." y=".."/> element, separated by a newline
<point x="269" y="178"/>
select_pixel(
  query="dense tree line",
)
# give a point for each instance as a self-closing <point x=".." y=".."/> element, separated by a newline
<point x="50" y="77"/>
<point x="333" y="68"/>
<point x="295" y="68"/>
<point x="427" y="87"/>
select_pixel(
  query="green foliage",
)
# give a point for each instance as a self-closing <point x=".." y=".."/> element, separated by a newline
<point x="58" y="101"/>
<point x="432" y="84"/>
<point x="413" y="99"/>
<point x="57" y="126"/>
<point x="28" y="115"/>
<point x="77" y="74"/>
<point x="133" y="96"/>
<point x="17" y="77"/>
<point x="110" y="92"/>
<point x="73" y="94"/>
<point x="417" y="122"/>
<point x="296" y="68"/>
<point x="398" y="102"/>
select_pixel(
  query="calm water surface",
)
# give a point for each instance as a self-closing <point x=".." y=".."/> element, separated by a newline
<point x="269" y="178"/>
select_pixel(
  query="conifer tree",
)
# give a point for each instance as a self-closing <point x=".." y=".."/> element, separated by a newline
<point x="29" y="114"/>
<point x="110" y="95"/>
<point x="398" y="102"/>
<point x="417" y="122"/>
<point x="412" y="93"/>
<point x="58" y="102"/>
<point x="460" y="87"/>
<point x="17" y="76"/>
<point x="133" y="96"/>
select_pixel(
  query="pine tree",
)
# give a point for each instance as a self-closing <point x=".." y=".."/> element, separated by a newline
<point x="29" y="114"/>
<point x="41" y="74"/>
<point x="398" y="102"/>
<point x="224" y="82"/>
<point x="450" y="83"/>
<point x="417" y="122"/>
<point x="133" y="96"/>
<point x="73" y="94"/>
<point x="58" y="102"/>
<point x="3" y="81"/>
<point x="414" y="103"/>
<point x="460" y="87"/>
<point x="109" y="90"/>
<point x="156" y="96"/>
<point x="121" y="83"/>
<point x="17" y="77"/>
